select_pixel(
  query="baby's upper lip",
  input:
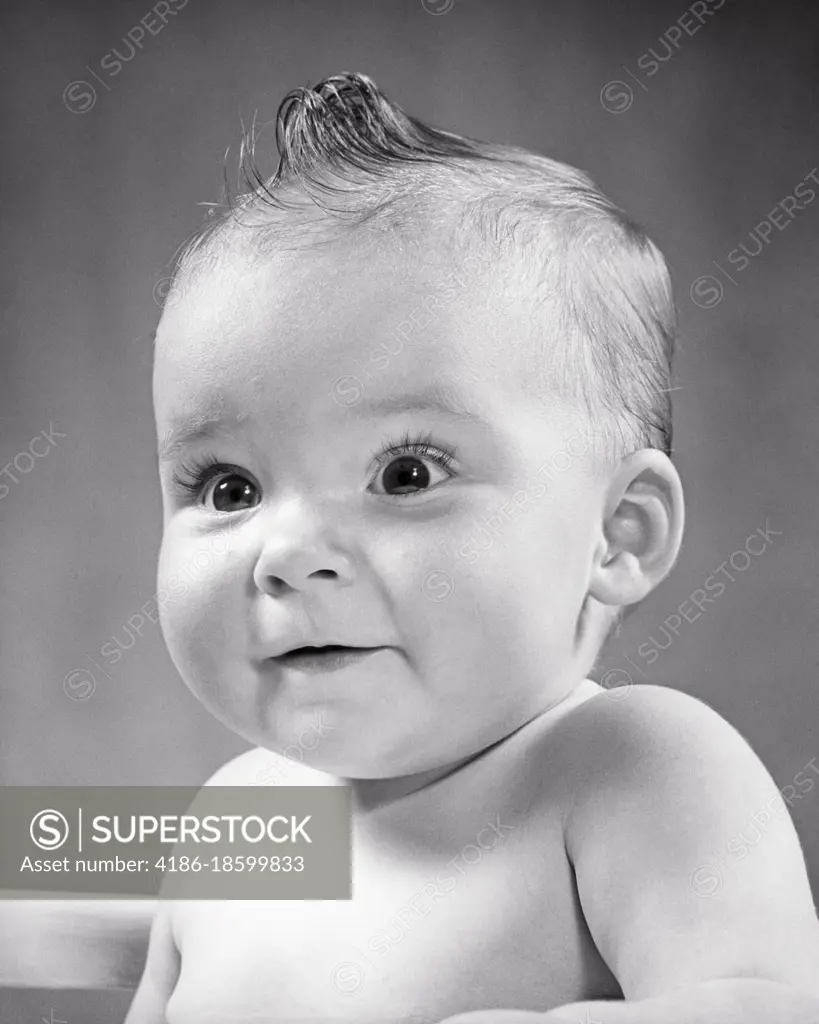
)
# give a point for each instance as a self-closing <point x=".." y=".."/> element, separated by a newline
<point x="319" y="644"/>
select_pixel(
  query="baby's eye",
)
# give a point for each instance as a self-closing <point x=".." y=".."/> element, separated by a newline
<point x="409" y="474"/>
<point x="231" y="489"/>
<point x="411" y="467"/>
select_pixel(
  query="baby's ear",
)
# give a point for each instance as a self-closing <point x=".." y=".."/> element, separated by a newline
<point x="641" y="530"/>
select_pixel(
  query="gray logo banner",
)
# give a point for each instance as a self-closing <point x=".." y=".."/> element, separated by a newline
<point x="176" y="842"/>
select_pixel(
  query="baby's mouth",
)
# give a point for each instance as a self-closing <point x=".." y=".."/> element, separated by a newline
<point x="324" y="659"/>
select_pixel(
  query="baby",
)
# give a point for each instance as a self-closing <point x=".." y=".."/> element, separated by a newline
<point x="413" y="390"/>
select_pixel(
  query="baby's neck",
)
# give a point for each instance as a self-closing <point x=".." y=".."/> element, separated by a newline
<point x="369" y="794"/>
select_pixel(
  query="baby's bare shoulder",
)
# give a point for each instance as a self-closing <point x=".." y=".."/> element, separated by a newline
<point x="658" y="750"/>
<point x="645" y="711"/>
<point x="663" y="790"/>
<point x="262" y="767"/>
<point x="617" y="731"/>
<point x="650" y="716"/>
<point x="648" y="743"/>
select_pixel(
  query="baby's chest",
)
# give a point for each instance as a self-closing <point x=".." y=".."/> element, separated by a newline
<point x="493" y="923"/>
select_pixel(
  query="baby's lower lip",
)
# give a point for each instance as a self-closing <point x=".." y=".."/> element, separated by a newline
<point x="324" y="659"/>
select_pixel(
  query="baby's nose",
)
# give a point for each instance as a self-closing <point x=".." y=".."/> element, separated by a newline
<point x="301" y="556"/>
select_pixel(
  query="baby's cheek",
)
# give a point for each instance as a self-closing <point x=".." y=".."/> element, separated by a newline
<point x="406" y="559"/>
<point x="186" y="597"/>
<point x="515" y="592"/>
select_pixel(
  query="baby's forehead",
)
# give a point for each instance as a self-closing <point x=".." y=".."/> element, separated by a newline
<point x="410" y="302"/>
<point x="300" y="338"/>
<point x="423" y="250"/>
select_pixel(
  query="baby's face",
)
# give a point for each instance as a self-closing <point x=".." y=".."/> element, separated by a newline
<point x="347" y="508"/>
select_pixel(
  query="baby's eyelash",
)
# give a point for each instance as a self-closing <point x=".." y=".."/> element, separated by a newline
<point x="199" y="472"/>
<point x="415" y="445"/>
<point x="192" y="477"/>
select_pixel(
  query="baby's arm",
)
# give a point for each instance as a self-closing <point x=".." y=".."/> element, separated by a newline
<point x="160" y="974"/>
<point x="699" y="925"/>
<point x="164" y="961"/>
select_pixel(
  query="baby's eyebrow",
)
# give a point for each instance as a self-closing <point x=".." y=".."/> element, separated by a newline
<point x="189" y="432"/>
<point x="440" y="398"/>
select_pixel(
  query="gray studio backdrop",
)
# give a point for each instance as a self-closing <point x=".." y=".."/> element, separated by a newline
<point x="701" y="127"/>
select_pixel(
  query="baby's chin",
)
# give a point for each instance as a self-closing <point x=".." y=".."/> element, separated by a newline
<point x="337" y="742"/>
<point x="361" y="722"/>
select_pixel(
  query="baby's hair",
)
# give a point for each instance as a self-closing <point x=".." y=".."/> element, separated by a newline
<point x="349" y="157"/>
